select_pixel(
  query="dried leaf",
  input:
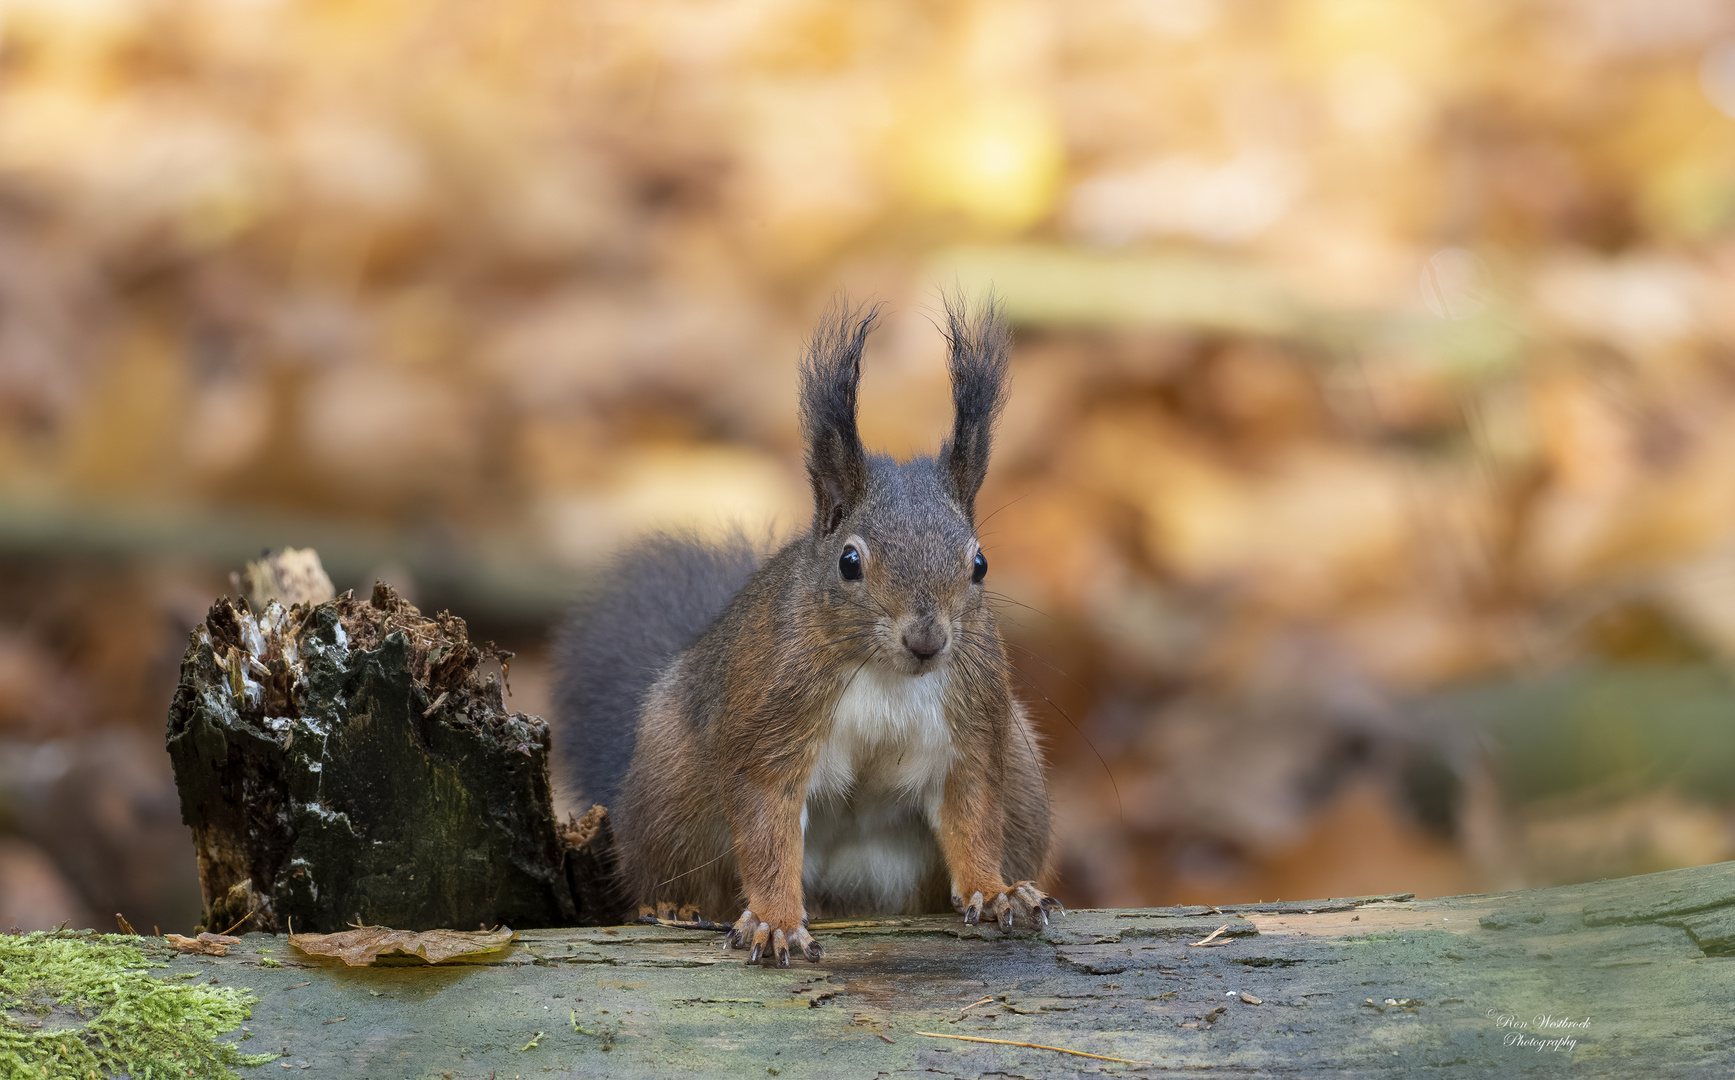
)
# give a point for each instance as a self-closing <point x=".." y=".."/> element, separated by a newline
<point x="577" y="832"/>
<point x="363" y="945"/>
<point x="206" y="944"/>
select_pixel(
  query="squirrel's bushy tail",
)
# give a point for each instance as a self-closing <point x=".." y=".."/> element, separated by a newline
<point x="650" y="604"/>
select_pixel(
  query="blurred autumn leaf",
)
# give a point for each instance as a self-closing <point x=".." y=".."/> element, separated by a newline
<point x="1368" y="350"/>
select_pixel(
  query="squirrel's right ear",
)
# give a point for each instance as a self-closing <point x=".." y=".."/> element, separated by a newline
<point x="830" y="373"/>
<point x="980" y="343"/>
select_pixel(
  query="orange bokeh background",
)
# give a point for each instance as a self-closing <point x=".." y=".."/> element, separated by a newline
<point x="1365" y="493"/>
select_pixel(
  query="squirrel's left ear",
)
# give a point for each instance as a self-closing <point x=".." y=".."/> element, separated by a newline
<point x="979" y="344"/>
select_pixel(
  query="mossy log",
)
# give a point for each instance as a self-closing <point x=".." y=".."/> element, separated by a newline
<point x="1624" y="978"/>
<point x="352" y="761"/>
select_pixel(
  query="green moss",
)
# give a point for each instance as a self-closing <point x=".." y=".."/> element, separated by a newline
<point x="118" y="1018"/>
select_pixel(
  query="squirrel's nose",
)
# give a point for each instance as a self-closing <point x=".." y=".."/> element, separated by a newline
<point x="925" y="641"/>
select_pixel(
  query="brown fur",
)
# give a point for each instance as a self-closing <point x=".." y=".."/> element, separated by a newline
<point x="729" y="736"/>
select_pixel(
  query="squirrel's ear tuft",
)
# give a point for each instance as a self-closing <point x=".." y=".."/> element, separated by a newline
<point x="830" y="373"/>
<point x="980" y="343"/>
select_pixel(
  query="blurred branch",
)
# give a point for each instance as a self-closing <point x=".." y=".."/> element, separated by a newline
<point x="488" y="580"/>
<point x="1059" y="287"/>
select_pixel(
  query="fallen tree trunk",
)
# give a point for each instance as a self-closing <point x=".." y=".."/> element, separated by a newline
<point x="1625" y="978"/>
<point x="351" y="761"/>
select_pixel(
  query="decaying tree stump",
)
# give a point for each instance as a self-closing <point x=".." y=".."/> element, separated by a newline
<point x="349" y="760"/>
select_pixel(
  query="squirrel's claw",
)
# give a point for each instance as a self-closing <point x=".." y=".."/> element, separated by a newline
<point x="760" y="935"/>
<point x="770" y="946"/>
<point x="665" y="913"/>
<point x="1034" y="904"/>
<point x="1022" y="902"/>
<point x="780" y="948"/>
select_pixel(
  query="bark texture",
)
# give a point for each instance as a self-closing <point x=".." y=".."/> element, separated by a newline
<point x="1622" y="978"/>
<point x="352" y="761"/>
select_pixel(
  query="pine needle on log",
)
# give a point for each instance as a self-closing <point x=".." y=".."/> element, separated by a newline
<point x="1034" y="1046"/>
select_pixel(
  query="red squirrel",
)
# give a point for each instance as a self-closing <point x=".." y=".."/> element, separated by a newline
<point x="831" y="730"/>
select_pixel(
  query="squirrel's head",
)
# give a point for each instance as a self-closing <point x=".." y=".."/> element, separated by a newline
<point x="895" y="553"/>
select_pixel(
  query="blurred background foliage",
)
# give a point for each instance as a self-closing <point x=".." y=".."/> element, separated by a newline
<point x="1366" y="502"/>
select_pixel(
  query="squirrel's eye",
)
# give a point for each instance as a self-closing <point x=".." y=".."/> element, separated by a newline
<point x="979" y="568"/>
<point x="849" y="564"/>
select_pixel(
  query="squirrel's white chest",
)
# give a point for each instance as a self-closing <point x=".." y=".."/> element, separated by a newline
<point x="874" y="797"/>
<point x="888" y="738"/>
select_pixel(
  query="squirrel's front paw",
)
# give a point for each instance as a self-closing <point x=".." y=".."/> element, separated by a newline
<point x="771" y="943"/>
<point x="1008" y="903"/>
<point x="668" y="913"/>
